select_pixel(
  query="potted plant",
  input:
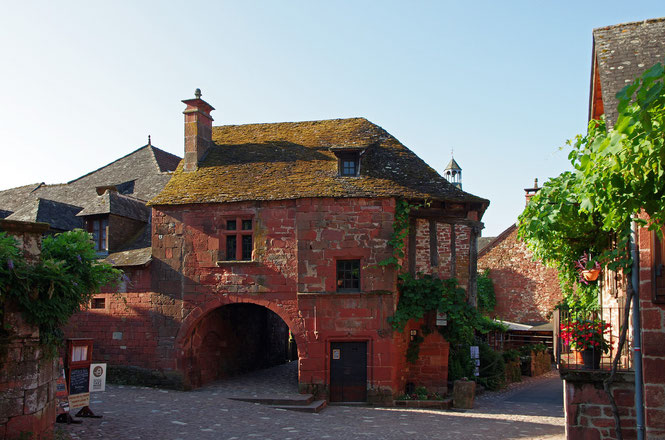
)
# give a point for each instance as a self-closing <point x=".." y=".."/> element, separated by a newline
<point x="587" y="274"/>
<point x="587" y="337"/>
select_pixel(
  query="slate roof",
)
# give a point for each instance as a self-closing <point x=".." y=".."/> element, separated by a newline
<point x="141" y="174"/>
<point x="61" y="216"/>
<point x="623" y="52"/>
<point x="132" y="257"/>
<point x="111" y="202"/>
<point x="292" y="160"/>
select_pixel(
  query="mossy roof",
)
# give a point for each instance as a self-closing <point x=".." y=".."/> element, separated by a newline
<point x="291" y="160"/>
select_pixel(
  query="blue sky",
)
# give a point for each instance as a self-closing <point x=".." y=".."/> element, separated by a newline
<point x="504" y="84"/>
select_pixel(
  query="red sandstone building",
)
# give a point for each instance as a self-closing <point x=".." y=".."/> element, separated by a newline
<point x="621" y="53"/>
<point x="266" y="242"/>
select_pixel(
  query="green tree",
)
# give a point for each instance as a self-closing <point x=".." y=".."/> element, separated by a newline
<point x="59" y="285"/>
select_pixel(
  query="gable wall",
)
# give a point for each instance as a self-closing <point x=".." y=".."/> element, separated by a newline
<point x="526" y="291"/>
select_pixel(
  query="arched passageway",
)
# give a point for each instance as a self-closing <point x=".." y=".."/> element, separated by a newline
<point x="235" y="339"/>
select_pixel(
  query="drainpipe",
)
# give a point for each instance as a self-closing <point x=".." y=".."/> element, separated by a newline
<point x="637" y="334"/>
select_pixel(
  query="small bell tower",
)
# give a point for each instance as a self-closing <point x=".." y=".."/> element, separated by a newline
<point x="453" y="173"/>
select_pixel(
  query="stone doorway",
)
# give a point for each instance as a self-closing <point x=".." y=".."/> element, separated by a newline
<point x="236" y="339"/>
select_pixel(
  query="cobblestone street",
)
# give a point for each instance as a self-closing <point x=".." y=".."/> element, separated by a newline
<point x="528" y="410"/>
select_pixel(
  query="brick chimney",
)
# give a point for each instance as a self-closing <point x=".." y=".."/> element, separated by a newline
<point x="530" y="192"/>
<point x="198" y="130"/>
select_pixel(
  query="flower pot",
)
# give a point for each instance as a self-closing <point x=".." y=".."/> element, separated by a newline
<point x="591" y="274"/>
<point x="591" y="358"/>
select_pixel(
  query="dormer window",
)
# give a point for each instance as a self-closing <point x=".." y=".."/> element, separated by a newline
<point x="348" y="160"/>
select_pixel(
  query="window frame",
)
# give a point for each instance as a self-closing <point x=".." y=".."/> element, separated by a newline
<point x="348" y="157"/>
<point x="340" y="288"/>
<point x="101" y="241"/>
<point x="238" y="233"/>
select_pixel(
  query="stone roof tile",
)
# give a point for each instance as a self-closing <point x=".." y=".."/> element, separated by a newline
<point x="292" y="160"/>
<point x="623" y="52"/>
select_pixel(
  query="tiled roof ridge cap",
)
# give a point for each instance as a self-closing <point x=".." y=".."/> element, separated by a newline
<point x="630" y="23"/>
<point x="117" y="160"/>
<point x="360" y="118"/>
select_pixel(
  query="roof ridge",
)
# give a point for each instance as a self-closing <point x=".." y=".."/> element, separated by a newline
<point x="492" y="244"/>
<point x="298" y="122"/>
<point x="630" y="23"/>
<point x="111" y="163"/>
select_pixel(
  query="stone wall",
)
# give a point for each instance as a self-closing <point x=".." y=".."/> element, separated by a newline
<point x="526" y="291"/>
<point x="587" y="407"/>
<point x="27" y="377"/>
<point x="653" y="340"/>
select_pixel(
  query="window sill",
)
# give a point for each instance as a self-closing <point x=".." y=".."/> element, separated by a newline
<point x="234" y="262"/>
<point x="362" y="293"/>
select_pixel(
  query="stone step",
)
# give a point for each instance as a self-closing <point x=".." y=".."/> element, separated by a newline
<point x="292" y="400"/>
<point x="313" y="407"/>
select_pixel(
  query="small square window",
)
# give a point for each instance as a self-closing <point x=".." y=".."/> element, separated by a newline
<point x="349" y="167"/>
<point x="348" y="275"/>
<point x="349" y="164"/>
<point x="246" y="225"/>
<point x="98" y="303"/>
<point x="230" y="225"/>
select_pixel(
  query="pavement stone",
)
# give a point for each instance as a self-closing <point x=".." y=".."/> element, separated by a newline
<point x="528" y="410"/>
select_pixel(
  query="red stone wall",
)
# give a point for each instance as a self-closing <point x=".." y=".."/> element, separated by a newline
<point x="27" y="377"/>
<point x="526" y="291"/>
<point x="653" y="342"/>
<point x="430" y="370"/>
<point x="588" y="411"/>
<point x="444" y="269"/>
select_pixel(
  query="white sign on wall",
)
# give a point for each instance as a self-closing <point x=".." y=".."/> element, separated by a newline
<point x="97" y="377"/>
<point x="475" y="356"/>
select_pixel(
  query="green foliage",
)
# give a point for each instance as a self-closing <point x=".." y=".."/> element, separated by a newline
<point x="525" y="350"/>
<point x="486" y="297"/>
<point x="400" y="231"/>
<point x="618" y="173"/>
<point x="492" y="368"/>
<point x="511" y="355"/>
<point x="60" y="284"/>
<point x="460" y="364"/>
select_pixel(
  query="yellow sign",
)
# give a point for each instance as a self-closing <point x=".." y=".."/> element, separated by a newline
<point x="79" y="400"/>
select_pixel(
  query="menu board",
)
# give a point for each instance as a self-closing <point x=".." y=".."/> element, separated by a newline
<point x="78" y="380"/>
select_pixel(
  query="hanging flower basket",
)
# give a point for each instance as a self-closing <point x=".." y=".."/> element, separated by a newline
<point x="587" y="275"/>
<point x="591" y="274"/>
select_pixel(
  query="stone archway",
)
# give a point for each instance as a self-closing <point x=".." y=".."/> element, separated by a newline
<point x="225" y="338"/>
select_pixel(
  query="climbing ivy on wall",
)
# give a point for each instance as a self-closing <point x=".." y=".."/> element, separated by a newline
<point x="62" y="282"/>
<point x="424" y="293"/>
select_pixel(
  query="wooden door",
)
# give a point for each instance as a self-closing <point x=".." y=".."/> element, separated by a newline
<point x="348" y="372"/>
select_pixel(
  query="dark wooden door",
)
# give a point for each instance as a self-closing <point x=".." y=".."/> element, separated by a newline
<point x="348" y="372"/>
